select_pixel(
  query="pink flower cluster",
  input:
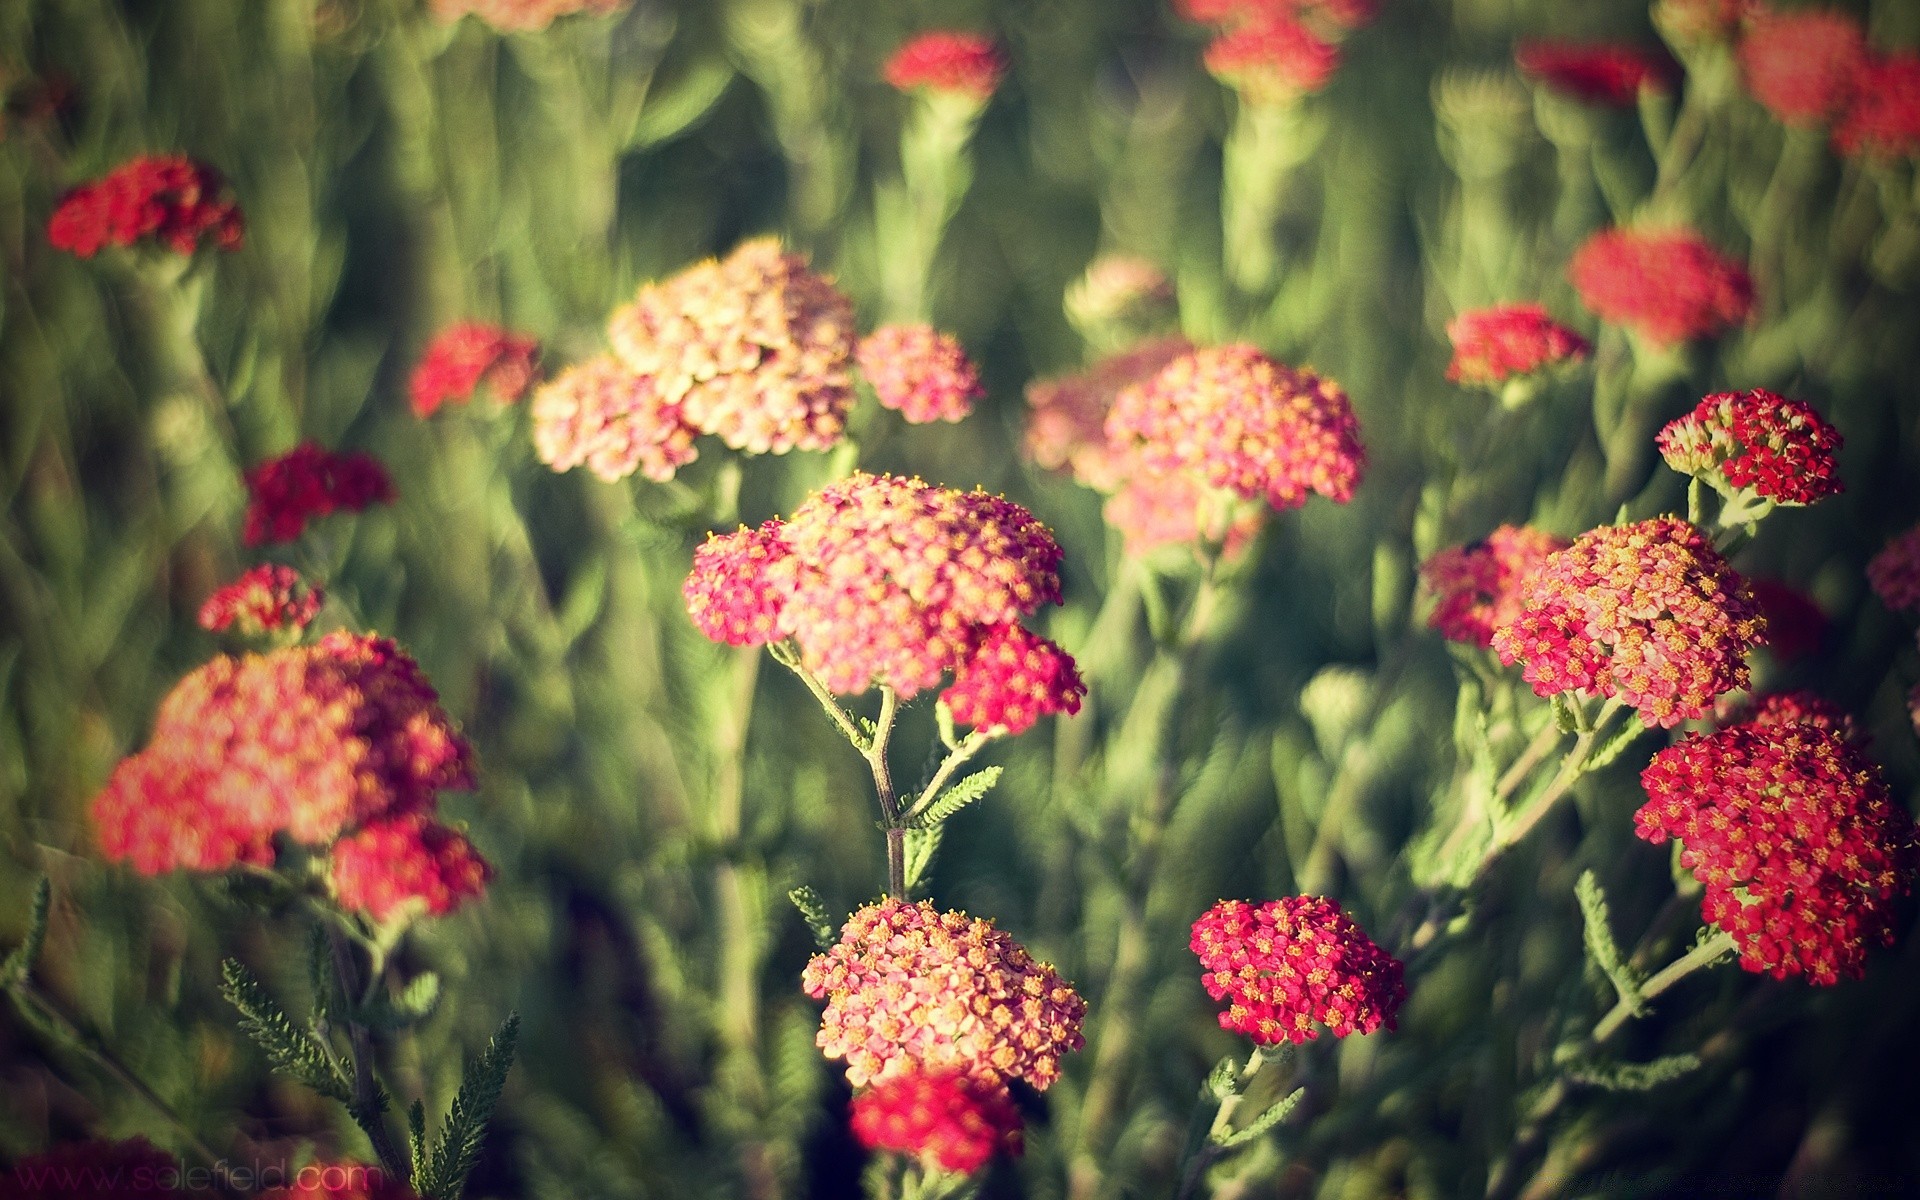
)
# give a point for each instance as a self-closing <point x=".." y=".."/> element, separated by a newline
<point x="1796" y="838"/>
<point x="1779" y="449"/>
<point x="266" y="599"/>
<point x="340" y="745"/>
<point x="306" y="482"/>
<point x="1478" y="587"/>
<point x="920" y="373"/>
<point x="1607" y="74"/>
<point x="1667" y="286"/>
<point x="1275" y="60"/>
<point x="1288" y="966"/>
<point x="1647" y="612"/>
<point x="950" y="1119"/>
<point x="169" y="198"/>
<point x="880" y="579"/>
<point x="948" y="62"/>
<point x="1507" y="341"/>
<point x="1894" y="573"/>
<point x="462" y="357"/>
<point x="1815" y="66"/>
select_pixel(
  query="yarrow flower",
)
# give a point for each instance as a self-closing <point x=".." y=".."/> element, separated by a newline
<point x="880" y="579"/>
<point x="1012" y="680"/>
<point x="169" y="198"/>
<point x="1494" y="345"/>
<point x="1243" y="422"/>
<point x="1803" y="65"/>
<point x="1478" y="586"/>
<point x="614" y="422"/>
<point x="1796" y="626"/>
<point x="1273" y="60"/>
<point x="1882" y="119"/>
<point x="948" y="62"/>
<point x="307" y="742"/>
<point x="396" y="863"/>
<point x="1647" y="612"/>
<point x="1796" y="838"/>
<point x="1067" y="414"/>
<point x="521" y="16"/>
<point x="912" y="989"/>
<point x="342" y="1181"/>
<point x="1667" y="286"/>
<point x="1799" y="707"/>
<point x="1292" y="965"/>
<point x="1606" y="74"/>
<point x="1757" y="441"/>
<point x="947" y="1119"/>
<point x="462" y="357"/>
<point x="754" y="348"/>
<point x="920" y="373"/>
<point x="98" y="1170"/>
<point x="265" y="599"/>
<point x="306" y="482"/>
<point x="1894" y="573"/>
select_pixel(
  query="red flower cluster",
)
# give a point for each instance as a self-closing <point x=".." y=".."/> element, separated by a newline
<point x="284" y="493"/>
<point x="387" y="864"/>
<point x="463" y="356"/>
<point x="1882" y="120"/>
<point x="1478" y="586"/>
<point x="1757" y="441"/>
<point x="600" y="414"/>
<point x="1668" y="287"/>
<point x="959" y="64"/>
<point x="1289" y="965"/>
<point x="1802" y="65"/>
<point x="308" y="742"/>
<point x="1493" y="345"/>
<point x="1608" y="74"/>
<point x="265" y="599"/>
<point x="1796" y="627"/>
<point x="912" y="989"/>
<point x="754" y="348"/>
<point x="1800" y="707"/>
<point x="920" y="373"/>
<point x="1647" y="612"/>
<point x="881" y="579"/>
<point x="1796" y="838"/>
<point x="1894" y="573"/>
<point x="521" y="16"/>
<point x="949" y="1119"/>
<point x="1240" y="421"/>
<point x="1274" y="60"/>
<point x="342" y="1181"/>
<point x="169" y="198"/>
<point x="97" y="1170"/>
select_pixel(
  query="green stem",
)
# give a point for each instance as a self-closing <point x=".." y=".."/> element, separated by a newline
<point x="1703" y="955"/>
<point x="369" y="1104"/>
<point x="956" y="758"/>
<point x="876" y="756"/>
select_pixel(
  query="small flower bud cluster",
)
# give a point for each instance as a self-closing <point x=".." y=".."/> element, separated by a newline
<point x="1779" y="449"/>
<point x="920" y="373"/>
<point x="464" y="356"/>
<point x="307" y="482"/>
<point x="948" y="62"/>
<point x="1288" y="967"/>
<point x="266" y="599"/>
<point x="1667" y="286"/>
<point x="1796" y="838"/>
<point x="1478" y="586"/>
<point x="1647" y="612"/>
<point x="168" y="198"/>
<point x="1494" y="345"/>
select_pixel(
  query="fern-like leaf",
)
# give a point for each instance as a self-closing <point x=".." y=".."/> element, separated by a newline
<point x="958" y="797"/>
<point x="1634" y="1077"/>
<point x="1601" y="947"/>
<point x="465" y="1131"/>
<point x="290" y="1048"/>
<point x="813" y="910"/>
<point x="1265" y="1121"/>
<point x="18" y="964"/>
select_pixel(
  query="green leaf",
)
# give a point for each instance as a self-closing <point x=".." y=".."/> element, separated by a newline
<point x="1224" y="1079"/>
<point x="417" y="1139"/>
<point x="291" y="1049"/>
<point x="1634" y="1077"/>
<point x="813" y="910"/>
<point x="585" y="599"/>
<point x="1601" y="947"/>
<point x="1604" y="754"/>
<point x="958" y="797"/>
<point x="466" y="1128"/>
<point x="1564" y="715"/>
<point x="922" y="846"/>
<point x="1261" y="1124"/>
<point x="676" y="107"/>
<point x="320" y="976"/>
<point x="412" y="1004"/>
<point x="17" y="965"/>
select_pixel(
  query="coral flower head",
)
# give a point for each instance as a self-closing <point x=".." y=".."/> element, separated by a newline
<point x="1882" y="117"/>
<point x="947" y="1119"/>
<point x="600" y="415"/>
<point x="1669" y="287"/>
<point x="1611" y="75"/>
<point x="1290" y="966"/>
<point x="265" y="599"/>
<point x="1478" y="586"/>
<point x="464" y="356"/>
<point x="1779" y="449"/>
<point x="1894" y="573"/>
<point x="171" y="199"/>
<point x="1802" y="66"/>
<point x="1273" y="60"/>
<point x="920" y="373"/>
<point x="1494" y="345"/>
<point x="959" y="64"/>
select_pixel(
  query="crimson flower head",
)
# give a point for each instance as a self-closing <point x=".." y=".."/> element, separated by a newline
<point x="463" y="356"/>
<point x="1606" y="74"/>
<point x="1339" y="15"/>
<point x="1272" y="60"/>
<point x="410" y="862"/>
<point x="1894" y="573"/>
<point x="912" y="989"/>
<point x="947" y="1119"/>
<point x="169" y="198"/>
<point x="1667" y="286"/>
<point x="1882" y="117"/>
<point x="1799" y="707"/>
<point x="1012" y="679"/>
<point x="1757" y="441"/>
<point x="1239" y="421"/>
<point x="754" y="348"/>
<point x="948" y="62"/>
<point x="1493" y="345"/>
<point x="1288" y="967"/>
<point x="306" y="482"/>
<point x="1802" y="65"/>
<point x="920" y="373"/>
<point x="1795" y="837"/>
<point x="265" y="599"/>
<point x="1067" y="414"/>
<point x="600" y="415"/>
<point x="1647" y="612"/>
<point x="1478" y="586"/>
